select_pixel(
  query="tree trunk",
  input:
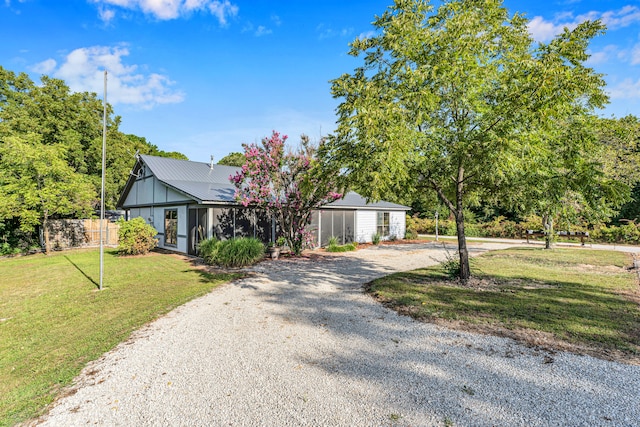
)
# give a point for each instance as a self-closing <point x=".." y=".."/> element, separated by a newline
<point x="548" y="238"/>
<point x="45" y="232"/>
<point x="458" y="212"/>
<point x="465" y="269"/>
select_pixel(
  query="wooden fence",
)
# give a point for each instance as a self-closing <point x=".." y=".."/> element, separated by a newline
<point x="79" y="233"/>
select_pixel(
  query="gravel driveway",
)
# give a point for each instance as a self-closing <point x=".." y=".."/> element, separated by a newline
<point x="298" y="343"/>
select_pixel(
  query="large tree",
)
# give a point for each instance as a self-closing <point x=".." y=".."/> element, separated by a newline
<point x="51" y="152"/>
<point x="287" y="184"/>
<point x="36" y="184"/>
<point x="571" y="178"/>
<point x="447" y="101"/>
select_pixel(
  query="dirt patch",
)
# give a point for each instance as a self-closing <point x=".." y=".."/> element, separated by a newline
<point x="604" y="269"/>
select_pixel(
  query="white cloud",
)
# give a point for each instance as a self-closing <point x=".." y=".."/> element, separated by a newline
<point x="262" y="31"/>
<point x="172" y="9"/>
<point x="328" y="32"/>
<point x="222" y="10"/>
<point x="627" y="89"/>
<point x="604" y="55"/>
<point x="44" y="67"/>
<point x="367" y="35"/>
<point x="635" y="55"/>
<point x="544" y="30"/>
<point x="106" y="14"/>
<point x="83" y="70"/>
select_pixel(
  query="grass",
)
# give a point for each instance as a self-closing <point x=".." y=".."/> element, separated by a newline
<point x="53" y="320"/>
<point x="570" y="298"/>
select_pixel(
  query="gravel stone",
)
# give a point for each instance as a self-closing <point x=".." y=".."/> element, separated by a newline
<point x="298" y="343"/>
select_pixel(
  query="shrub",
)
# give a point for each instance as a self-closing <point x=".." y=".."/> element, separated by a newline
<point x="333" y="241"/>
<point x="240" y="252"/>
<point x="375" y="238"/>
<point x="342" y="248"/>
<point x="208" y="249"/>
<point x="410" y="235"/>
<point x="451" y="265"/>
<point x="136" y="237"/>
<point x="281" y="241"/>
<point x="7" y="249"/>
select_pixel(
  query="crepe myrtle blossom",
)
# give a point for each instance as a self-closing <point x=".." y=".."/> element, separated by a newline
<point x="288" y="184"/>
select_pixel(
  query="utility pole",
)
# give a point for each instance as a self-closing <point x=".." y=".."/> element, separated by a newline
<point x="104" y="162"/>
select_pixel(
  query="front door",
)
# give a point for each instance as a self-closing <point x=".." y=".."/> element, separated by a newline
<point x="197" y="228"/>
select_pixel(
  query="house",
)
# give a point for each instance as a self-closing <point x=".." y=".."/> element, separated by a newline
<point x="189" y="201"/>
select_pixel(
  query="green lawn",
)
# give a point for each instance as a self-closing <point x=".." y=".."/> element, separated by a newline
<point x="53" y="320"/>
<point x="585" y="299"/>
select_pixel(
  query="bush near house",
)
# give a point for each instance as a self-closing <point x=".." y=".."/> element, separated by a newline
<point x="240" y="252"/>
<point x="136" y="237"/>
<point x="335" y="247"/>
<point x="208" y="249"/>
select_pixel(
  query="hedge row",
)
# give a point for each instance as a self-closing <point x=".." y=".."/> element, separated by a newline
<point x="501" y="227"/>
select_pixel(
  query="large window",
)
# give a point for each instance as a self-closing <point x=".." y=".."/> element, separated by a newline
<point x="383" y="223"/>
<point x="171" y="227"/>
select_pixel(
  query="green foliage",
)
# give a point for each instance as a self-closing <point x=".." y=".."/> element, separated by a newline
<point x="233" y="159"/>
<point x="625" y="234"/>
<point x="335" y="247"/>
<point x="411" y="235"/>
<point x="7" y="249"/>
<point x="375" y="238"/>
<point x="51" y="152"/>
<point x="136" y="237"/>
<point x="240" y="252"/>
<point x="458" y="99"/>
<point x="281" y="241"/>
<point x="208" y="249"/>
<point x="451" y="265"/>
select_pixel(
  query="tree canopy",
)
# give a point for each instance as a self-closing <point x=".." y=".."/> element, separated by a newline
<point x="455" y="100"/>
<point x="51" y="148"/>
<point x="233" y="159"/>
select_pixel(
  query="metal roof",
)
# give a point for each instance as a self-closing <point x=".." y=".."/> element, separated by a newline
<point x="195" y="179"/>
<point x="212" y="185"/>
<point x="356" y="201"/>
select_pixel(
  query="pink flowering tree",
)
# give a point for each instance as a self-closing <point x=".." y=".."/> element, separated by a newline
<point x="287" y="184"/>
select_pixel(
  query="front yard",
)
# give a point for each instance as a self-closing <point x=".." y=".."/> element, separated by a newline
<point x="53" y="320"/>
<point x="580" y="300"/>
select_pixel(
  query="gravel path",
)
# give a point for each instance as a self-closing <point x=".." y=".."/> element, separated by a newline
<point x="298" y="343"/>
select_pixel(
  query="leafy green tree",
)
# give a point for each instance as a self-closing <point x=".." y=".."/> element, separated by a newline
<point x="36" y="184"/>
<point x="232" y="159"/>
<point x="50" y="124"/>
<point x="568" y="180"/>
<point x="447" y="101"/>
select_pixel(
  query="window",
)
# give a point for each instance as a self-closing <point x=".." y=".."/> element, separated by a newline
<point x="383" y="223"/>
<point x="171" y="227"/>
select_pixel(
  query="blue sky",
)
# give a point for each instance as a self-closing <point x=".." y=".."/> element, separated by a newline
<point x="203" y="76"/>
